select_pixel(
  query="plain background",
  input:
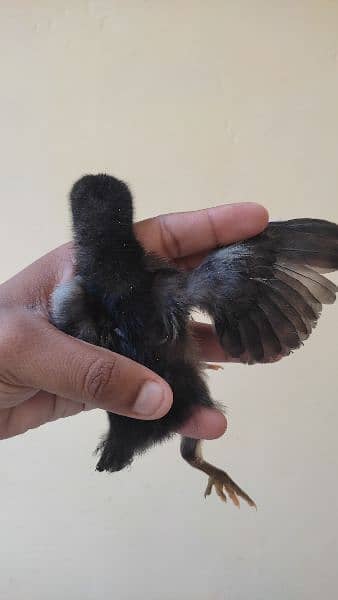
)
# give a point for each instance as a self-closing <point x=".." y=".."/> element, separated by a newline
<point x="194" y="104"/>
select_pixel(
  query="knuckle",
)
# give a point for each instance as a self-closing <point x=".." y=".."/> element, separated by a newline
<point x="100" y="379"/>
<point x="170" y="242"/>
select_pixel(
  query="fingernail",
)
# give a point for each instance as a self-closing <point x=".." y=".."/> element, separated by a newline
<point x="149" y="399"/>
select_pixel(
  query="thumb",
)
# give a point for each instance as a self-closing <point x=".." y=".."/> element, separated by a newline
<point x="37" y="355"/>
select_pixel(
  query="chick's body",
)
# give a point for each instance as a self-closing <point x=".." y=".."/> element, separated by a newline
<point x="264" y="295"/>
<point x="136" y="325"/>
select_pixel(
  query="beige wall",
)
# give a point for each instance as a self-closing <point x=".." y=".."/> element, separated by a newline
<point x="194" y="103"/>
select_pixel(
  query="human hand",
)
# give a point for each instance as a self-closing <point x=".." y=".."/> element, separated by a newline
<point x="46" y="374"/>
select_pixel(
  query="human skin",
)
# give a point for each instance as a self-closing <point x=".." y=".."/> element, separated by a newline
<point x="46" y="375"/>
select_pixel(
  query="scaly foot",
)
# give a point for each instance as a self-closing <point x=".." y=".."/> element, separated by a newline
<point x="223" y="483"/>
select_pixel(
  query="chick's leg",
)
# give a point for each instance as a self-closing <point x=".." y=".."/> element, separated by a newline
<point x="223" y="484"/>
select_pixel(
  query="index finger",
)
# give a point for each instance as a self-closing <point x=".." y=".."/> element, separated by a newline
<point x="178" y="235"/>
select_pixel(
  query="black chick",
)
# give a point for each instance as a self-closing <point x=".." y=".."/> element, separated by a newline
<point x="264" y="295"/>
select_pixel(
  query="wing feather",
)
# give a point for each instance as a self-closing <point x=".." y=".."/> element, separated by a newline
<point x="266" y="294"/>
